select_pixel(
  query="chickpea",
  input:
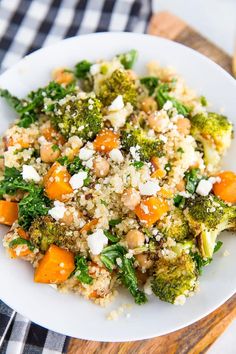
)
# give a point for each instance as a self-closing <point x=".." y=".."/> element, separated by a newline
<point x="101" y="167"/>
<point x="143" y="261"/>
<point x="148" y="105"/>
<point x="69" y="217"/>
<point x="158" y="121"/>
<point x="48" y="153"/>
<point x="135" y="238"/>
<point x="183" y="126"/>
<point x="131" y="198"/>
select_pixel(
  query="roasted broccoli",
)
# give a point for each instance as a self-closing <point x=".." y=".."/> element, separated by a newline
<point x="146" y="146"/>
<point x="178" y="228"/>
<point x="45" y="231"/>
<point x="119" y="83"/>
<point x="174" y="277"/>
<point x="207" y="217"/>
<point x="214" y="131"/>
<point x="81" y="117"/>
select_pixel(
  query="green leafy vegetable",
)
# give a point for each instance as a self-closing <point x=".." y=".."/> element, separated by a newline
<point x="168" y="167"/>
<point x="81" y="271"/>
<point x="21" y="241"/>
<point x="128" y="59"/>
<point x="32" y="206"/>
<point x="218" y="246"/>
<point x="111" y="237"/>
<point x="163" y="96"/>
<point x="127" y="274"/>
<point x="151" y="83"/>
<point x="114" y="222"/>
<point x="179" y="201"/>
<point x="55" y="147"/>
<point x="181" y="150"/>
<point x="103" y="202"/>
<point x="192" y="179"/>
<point x="203" y="101"/>
<point x="82" y="69"/>
<point x="138" y="164"/>
<point x="12" y="182"/>
<point x="34" y="104"/>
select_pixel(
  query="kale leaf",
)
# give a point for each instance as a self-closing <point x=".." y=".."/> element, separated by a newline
<point x="192" y="179"/>
<point x="81" y="270"/>
<point x="82" y="69"/>
<point x="128" y="59"/>
<point x="151" y="83"/>
<point x="29" y="108"/>
<point x="126" y="270"/>
<point x="163" y="96"/>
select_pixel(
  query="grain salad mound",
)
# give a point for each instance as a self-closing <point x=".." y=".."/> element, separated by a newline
<point x="109" y="179"/>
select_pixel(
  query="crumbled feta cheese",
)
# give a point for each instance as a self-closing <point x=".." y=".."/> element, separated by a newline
<point x="89" y="163"/>
<point x="77" y="180"/>
<point x="163" y="138"/>
<point x="58" y="211"/>
<point x="117" y="104"/>
<point x="204" y="187"/>
<point x="168" y="105"/>
<point x="95" y="69"/>
<point x="134" y="151"/>
<point x="85" y="154"/>
<point x="149" y="188"/>
<point x="180" y="300"/>
<point x="119" y="261"/>
<point x="42" y="140"/>
<point x="118" y="118"/>
<point x="97" y="241"/>
<point x="29" y="173"/>
<point x="214" y="180"/>
<point x="116" y="155"/>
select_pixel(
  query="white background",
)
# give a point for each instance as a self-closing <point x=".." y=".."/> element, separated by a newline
<point x="215" y="19"/>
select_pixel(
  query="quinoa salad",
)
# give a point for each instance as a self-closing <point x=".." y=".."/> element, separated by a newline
<point x="110" y="180"/>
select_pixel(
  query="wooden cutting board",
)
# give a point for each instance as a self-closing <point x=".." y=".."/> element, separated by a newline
<point x="198" y="337"/>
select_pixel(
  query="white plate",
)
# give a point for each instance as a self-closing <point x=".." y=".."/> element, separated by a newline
<point x="70" y="314"/>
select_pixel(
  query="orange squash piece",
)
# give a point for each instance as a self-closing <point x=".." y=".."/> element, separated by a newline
<point x="159" y="173"/>
<point x="55" y="267"/>
<point x="8" y="212"/>
<point x="226" y="188"/>
<point x="24" y="251"/>
<point x="106" y="140"/>
<point x="50" y="134"/>
<point x="11" y="142"/>
<point x="56" y="182"/>
<point x="151" y="209"/>
<point x="87" y="227"/>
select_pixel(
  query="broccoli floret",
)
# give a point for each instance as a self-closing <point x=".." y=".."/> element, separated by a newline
<point x="45" y="231"/>
<point x="81" y="117"/>
<point x="178" y="228"/>
<point x="174" y="277"/>
<point x="207" y="217"/>
<point x="214" y="131"/>
<point x="147" y="147"/>
<point x="119" y="83"/>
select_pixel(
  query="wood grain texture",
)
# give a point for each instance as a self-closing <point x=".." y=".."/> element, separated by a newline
<point x="166" y="25"/>
<point x="194" y="339"/>
<point x="198" y="337"/>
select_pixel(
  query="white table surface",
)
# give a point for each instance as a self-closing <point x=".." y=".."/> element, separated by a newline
<point x="215" y="19"/>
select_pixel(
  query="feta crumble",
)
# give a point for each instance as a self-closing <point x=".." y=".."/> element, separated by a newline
<point x="97" y="241"/>
<point x="58" y="211"/>
<point x="149" y="188"/>
<point x="116" y="155"/>
<point x="29" y="173"/>
<point x="77" y="180"/>
<point x="85" y="154"/>
<point x="204" y="187"/>
<point x="117" y="104"/>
